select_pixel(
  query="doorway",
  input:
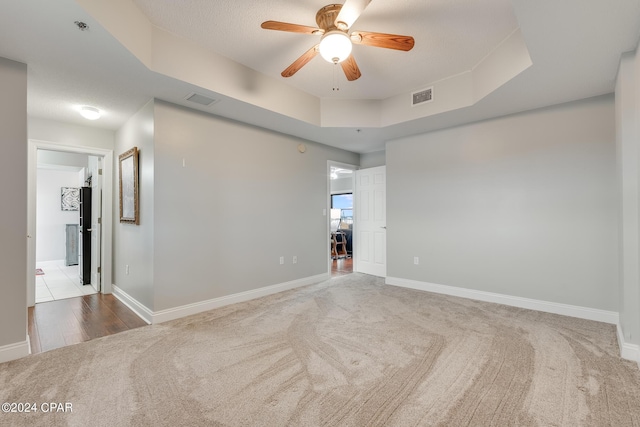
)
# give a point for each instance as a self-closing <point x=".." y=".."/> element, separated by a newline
<point x="103" y="159"/>
<point x="341" y="218"/>
<point x="62" y="182"/>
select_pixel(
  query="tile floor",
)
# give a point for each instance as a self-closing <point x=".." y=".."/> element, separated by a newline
<point x="59" y="282"/>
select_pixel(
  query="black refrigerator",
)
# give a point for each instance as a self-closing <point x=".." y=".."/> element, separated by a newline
<point x="84" y="254"/>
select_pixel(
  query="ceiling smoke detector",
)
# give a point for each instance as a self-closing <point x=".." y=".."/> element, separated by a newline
<point x="81" y="25"/>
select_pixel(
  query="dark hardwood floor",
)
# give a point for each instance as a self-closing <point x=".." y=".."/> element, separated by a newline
<point x="55" y="324"/>
<point x="341" y="266"/>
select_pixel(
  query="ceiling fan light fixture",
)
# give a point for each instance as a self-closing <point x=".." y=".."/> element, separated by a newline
<point x="335" y="46"/>
<point x="90" y="113"/>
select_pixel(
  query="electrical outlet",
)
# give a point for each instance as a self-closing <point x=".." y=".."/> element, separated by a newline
<point x="281" y="260"/>
<point x="416" y="260"/>
<point x="126" y="269"/>
<point x="295" y="259"/>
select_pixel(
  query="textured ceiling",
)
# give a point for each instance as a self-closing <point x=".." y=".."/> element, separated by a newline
<point x="451" y="36"/>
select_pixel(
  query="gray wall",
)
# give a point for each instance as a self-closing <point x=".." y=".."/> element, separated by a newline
<point x="245" y="198"/>
<point x="133" y="245"/>
<point x="372" y="160"/>
<point x="628" y="150"/>
<point x="13" y="193"/>
<point x="523" y="205"/>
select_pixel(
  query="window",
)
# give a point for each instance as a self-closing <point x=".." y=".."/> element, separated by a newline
<point x="341" y="211"/>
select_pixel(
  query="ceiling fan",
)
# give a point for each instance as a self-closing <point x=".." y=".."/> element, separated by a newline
<point x="334" y="22"/>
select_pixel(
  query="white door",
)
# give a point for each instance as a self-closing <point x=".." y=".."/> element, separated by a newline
<point x="370" y="212"/>
<point x="96" y="221"/>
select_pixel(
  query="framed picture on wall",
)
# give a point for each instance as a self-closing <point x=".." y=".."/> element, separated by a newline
<point x="129" y="206"/>
<point x="70" y="198"/>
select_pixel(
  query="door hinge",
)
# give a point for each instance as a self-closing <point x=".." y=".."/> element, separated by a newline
<point x="99" y="269"/>
<point x="99" y="220"/>
<point x="99" y="171"/>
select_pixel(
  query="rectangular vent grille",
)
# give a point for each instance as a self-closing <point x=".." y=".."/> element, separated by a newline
<point x="422" y="96"/>
<point x="201" y="99"/>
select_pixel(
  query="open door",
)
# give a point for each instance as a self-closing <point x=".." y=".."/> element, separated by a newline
<point x="95" y="166"/>
<point x="370" y="212"/>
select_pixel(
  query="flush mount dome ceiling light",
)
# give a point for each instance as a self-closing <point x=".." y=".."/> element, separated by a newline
<point x="335" y="46"/>
<point x="90" y="113"/>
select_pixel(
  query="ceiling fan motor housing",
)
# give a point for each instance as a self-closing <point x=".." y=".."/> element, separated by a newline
<point x="326" y="17"/>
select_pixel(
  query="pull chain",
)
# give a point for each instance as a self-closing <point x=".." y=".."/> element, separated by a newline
<point x="336" y="86"/>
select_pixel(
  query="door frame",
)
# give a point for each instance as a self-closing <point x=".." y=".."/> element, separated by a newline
<point x="107" y="209"/>
<point x="331" y="163"/>
<point x="96" y="223"/>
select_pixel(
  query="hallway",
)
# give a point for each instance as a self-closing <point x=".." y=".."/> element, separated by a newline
<point x="341" y="266"/>
<point x="56" y="324"/>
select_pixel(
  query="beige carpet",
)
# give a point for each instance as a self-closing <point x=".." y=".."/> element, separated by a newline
<point x="347" y="352"/>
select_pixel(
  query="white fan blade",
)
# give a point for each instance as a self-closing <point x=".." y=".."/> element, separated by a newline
<point x="350" y="11"/>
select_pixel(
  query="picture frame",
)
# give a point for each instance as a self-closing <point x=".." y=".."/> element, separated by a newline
<point x="128" y="183"/>
<point x="69" y="198"/>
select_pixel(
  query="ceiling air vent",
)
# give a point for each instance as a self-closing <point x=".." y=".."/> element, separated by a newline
<point x="201" y="99"/>
<point x="422" y="96"/>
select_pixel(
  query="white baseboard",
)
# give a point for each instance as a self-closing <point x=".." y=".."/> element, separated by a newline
<point x="611" y="317"/>
<point x="201" y="306"/>
<point x="14" y="351"/>
<point x="627" y="350"/>
<point x="138" y="308"/>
